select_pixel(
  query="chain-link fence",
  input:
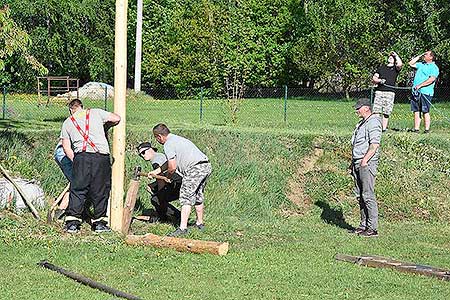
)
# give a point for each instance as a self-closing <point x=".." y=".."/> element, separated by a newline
<point x="277" y="107"/>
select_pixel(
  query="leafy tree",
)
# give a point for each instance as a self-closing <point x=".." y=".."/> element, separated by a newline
<point x="14" y="46"/>
<point x="70" y="37"/>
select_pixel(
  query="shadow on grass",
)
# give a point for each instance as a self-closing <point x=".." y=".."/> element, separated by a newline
<point x="15" y="124"/>
<point x="57" y="119"/>
<point x="333" y="216"/>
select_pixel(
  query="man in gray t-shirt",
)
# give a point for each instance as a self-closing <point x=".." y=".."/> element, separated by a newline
<point x="84" y="142"/>
<point x="162" y="192"/>
<point x="183" y="156"/>
<point x="365" y="153"/>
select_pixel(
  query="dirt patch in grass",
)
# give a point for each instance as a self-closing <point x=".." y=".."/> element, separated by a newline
<point x="296" y="185"/>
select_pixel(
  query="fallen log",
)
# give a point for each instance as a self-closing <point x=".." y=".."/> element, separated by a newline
<point x="406" y="267"/>
<point x="179" y="244"/>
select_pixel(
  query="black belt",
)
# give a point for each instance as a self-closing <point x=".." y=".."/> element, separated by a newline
<point x="202" y="162"/>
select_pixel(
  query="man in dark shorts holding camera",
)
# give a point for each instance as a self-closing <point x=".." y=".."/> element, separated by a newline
<point x="386" y="77"/>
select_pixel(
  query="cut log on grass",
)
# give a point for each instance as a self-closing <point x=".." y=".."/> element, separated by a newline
<point x="406" y="267"/>
<point x="179" y="244"/>
<point x="21" y="193"/>
<point x="130" y="202"/>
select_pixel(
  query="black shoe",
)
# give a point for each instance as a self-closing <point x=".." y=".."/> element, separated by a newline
<point x="426" y="131"/>
<point x="100" y="227"/>
<point x="178" y="232"/>
<point x="369" y="233"/>
<point x="414" y="130"/>
<point x="200" y="227"/>
<point x="72" y="227"/>
<point x="358" y="230"/>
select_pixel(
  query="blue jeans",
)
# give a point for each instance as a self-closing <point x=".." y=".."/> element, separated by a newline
<point x="66" y="167"/>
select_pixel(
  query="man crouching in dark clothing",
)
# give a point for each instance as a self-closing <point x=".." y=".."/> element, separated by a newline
<point x="162" y="192"/>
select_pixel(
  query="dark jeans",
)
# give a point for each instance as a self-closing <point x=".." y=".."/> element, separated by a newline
<point x="160" y="200"/>
<point x="91" y="180"/>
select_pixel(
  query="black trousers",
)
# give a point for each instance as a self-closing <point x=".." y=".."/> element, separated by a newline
<point x="160" y="200"/>
<point x="91" y="180"/>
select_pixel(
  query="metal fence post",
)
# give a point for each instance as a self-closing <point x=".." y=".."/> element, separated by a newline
<point x="201" y="104"/>
<point x="4" y="103"/>
<point x="106" y="96"/>
<point x="285" y="102"/>
<point x="371" y="95"/>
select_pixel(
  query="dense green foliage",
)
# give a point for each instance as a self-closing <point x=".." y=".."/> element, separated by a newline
<point x="14" y="50"/>
<point x="229" y="44"/>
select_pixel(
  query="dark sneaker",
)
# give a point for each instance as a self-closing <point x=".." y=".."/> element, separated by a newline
<point x="72" y="227"/>
<point x="178" y="232"/>
<point x="426" y="131"/>
<point x="358" y="230"/>
<point x="369" y="233"/>
<point x="100" y="227"/>
<point x="200" y="227"/>
<point x="414" y="130"/>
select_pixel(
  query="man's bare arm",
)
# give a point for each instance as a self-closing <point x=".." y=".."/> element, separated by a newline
<point x="67" y="148"/>
<point x="429" y="81"/>
<point x="372" y="149"/>
<point x="412" y="62"/>
<point x="113" y="118"/>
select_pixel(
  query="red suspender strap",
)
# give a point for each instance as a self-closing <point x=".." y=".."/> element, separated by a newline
<point x="84" y="134"/>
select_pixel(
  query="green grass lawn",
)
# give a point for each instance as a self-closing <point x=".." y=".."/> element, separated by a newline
<point x="302" y="114"/>
<point x="277" y="250"/>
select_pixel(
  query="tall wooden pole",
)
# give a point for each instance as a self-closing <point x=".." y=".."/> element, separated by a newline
<point x="138" y="57"/>
<point x="120" y="92"/>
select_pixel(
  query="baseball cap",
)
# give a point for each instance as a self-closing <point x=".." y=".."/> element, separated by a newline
<point x="145" y="146"/>
<point x="363" y="102"/>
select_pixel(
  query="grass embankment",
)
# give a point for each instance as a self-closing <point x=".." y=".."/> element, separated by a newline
<point x="278" y="250"/>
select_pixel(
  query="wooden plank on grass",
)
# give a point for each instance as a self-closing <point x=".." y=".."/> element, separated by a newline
<point x="179" y="244"/>
<point x="406" y="267"/>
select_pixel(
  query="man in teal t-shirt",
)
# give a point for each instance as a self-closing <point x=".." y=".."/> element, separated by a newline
<point x="423" y="88"/>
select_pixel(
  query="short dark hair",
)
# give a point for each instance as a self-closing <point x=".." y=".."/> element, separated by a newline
<point x="75" y="103"/>
<point x="161" y="129"/>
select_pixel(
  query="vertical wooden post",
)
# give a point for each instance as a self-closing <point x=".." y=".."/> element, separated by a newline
<point x="138" y="57"/>
<point x="120" y="85"/>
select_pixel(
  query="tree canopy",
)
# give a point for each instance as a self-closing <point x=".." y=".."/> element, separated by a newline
<point x="224" y="44"/>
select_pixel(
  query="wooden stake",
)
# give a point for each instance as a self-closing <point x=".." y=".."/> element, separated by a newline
<point x="383" y="262"/>
<point x="51" y="211"/>
<point x="21" y="193"/>
<point x="119" y="140"/>
<point x="179" y="244"/>
<point x="130" y="202"/>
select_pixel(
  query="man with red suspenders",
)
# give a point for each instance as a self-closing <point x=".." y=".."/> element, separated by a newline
<point x="84" y="133"/>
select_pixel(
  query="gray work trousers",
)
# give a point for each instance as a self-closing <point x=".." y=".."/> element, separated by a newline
<point x="364" y="179"/>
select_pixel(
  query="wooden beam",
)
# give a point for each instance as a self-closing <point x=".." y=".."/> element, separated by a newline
<point x="21" y="193"/>
<point x="130" y="202"/>
<point x="119" y="140"/>
<point x="179" y="244"/>
<point x="406" y="267"/>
